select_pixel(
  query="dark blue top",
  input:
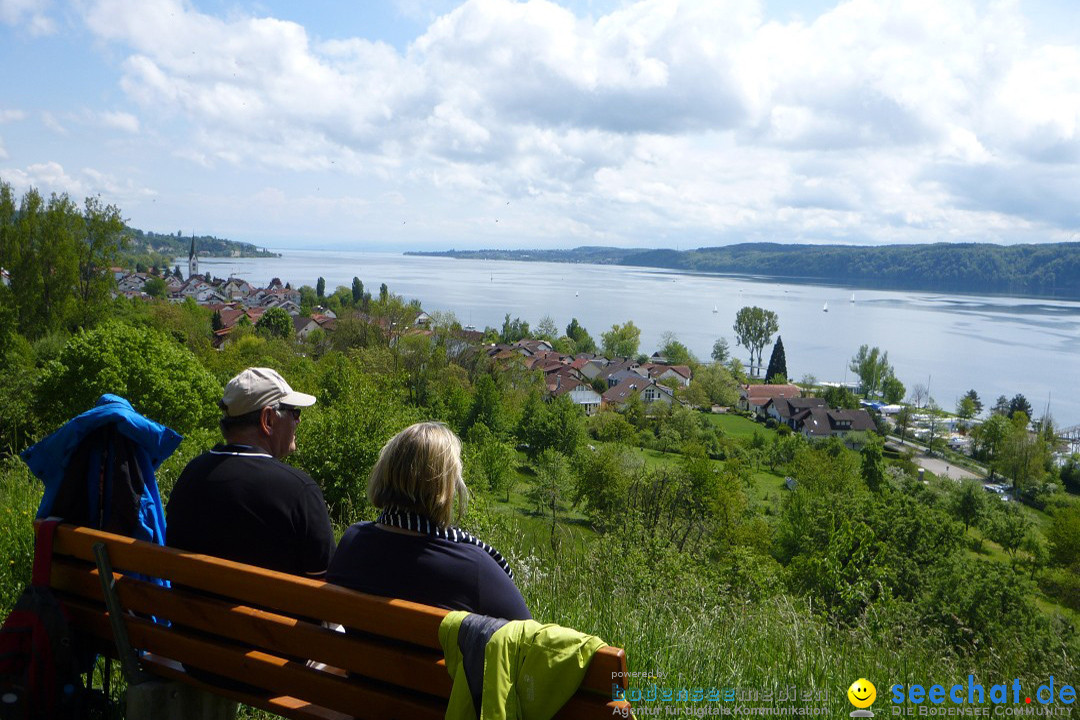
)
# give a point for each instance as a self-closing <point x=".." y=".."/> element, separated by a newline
<point x="425" y="569"/>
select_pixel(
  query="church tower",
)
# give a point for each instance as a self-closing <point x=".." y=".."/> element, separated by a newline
<point x="193" y="259"/>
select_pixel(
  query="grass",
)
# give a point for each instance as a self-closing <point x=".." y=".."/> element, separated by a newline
<point x="738" y="427"/>
<point x="677" y="620"/>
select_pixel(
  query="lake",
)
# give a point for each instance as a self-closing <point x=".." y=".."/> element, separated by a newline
<point x="996" y="345"/>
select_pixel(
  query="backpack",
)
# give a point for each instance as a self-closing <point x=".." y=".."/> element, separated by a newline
<point x="39" y="661"/>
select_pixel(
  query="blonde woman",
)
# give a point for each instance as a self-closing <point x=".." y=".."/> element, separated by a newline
<point x="412" y="551"/>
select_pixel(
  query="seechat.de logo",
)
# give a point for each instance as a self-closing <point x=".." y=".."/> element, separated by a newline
<point x="862" y="695"/>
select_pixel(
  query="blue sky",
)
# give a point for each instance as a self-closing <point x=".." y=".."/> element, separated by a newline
<point x="491" y="123"/>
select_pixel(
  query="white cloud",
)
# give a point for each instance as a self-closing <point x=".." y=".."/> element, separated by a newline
<point x="34" y="13"/>
<point x="875" y="121"/>
<point x="50" y="177"/>
<point x="11" y="115"/>
<point x="50" y="121"/>
<point x="123" y="121"/>
<point x="3" y="151"/>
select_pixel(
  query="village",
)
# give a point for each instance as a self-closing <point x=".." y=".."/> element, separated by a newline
<point x="591" y="381"/>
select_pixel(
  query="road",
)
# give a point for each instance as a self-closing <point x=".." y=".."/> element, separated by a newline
<point x="941" y="468"/>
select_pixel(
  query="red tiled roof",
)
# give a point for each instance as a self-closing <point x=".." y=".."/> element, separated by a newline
<point x="763" y="392"/>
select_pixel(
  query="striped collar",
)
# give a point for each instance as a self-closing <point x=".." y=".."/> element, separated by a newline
<point x="240" y="450"/>
<point x="409" y="520"/>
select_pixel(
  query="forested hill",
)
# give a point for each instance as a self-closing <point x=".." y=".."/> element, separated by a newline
<point x="178" y="245"/>
<point x="1044" y="270"/>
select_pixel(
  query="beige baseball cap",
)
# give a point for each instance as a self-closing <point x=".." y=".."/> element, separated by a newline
<point x="257" y="387"/>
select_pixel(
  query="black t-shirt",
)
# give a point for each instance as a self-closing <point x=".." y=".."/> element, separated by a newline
<point x="237" y="502"/>
<point x="425" y="569"/>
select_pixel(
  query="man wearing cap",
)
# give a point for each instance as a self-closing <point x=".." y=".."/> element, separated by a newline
<point x="239" y="501"/>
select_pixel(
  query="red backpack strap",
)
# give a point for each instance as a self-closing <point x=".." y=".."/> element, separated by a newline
<point x="45" y="531"/>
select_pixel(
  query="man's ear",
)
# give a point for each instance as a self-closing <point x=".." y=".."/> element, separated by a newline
<point x="267" y="418"/>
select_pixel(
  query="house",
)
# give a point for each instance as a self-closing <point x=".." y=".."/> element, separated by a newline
<point x="287" y="305"/>
<point x="235" y="289"/>
<point x="634" y="384"/>
<point x="621" y="375"/>
<point x="791" y="411"/>
<point x="754" y="397"/>
<point x="579" y="393"/>
<point x="591" y="367"/>
<point x="823" y="422"/>
<point x="679" y="373"/>
<point x="132" y="283"/>
<point x="304" y="326"/>
<point x="616" y="366"/>
<point x="530" y="347"/>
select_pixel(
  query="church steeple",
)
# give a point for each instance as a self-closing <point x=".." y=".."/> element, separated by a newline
<point x="193" y="259"/>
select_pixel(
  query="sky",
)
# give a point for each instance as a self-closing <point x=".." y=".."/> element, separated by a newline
<point x="428" y="124"/>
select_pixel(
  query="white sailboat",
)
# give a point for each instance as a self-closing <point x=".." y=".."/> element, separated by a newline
<point x="852" y="297"/>
<point x="715" y="309"/>
<point x="826" y="308"/>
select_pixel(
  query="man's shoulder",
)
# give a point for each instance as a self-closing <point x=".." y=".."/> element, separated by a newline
<point x="226" y="459"/>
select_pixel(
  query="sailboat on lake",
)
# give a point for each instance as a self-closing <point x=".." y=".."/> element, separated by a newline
<point x="826" y="308"/>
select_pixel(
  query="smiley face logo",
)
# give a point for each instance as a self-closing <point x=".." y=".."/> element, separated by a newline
<point x="862" y="693"/>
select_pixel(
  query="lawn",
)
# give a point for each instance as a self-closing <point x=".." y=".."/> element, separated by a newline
<point x="737" y="426"/>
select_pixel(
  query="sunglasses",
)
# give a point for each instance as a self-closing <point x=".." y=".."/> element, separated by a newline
<point x="294" y="411"/>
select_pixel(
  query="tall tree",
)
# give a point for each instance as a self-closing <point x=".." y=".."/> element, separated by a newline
<point x="493" y="460"/>
<point x="965" y="408"/>
<point x="513" y="330"/>
<point x="777" y="363"/>
<point x="893" y="390"/>
<point x="974" y="396"/>
<point x="1024" y="456"/>
<point x="357" y="291"/>
<point x="583" y="342"/>
<point x="754" y="328"/>
<point x="919" y="394"/>
<point x="155" y="287"/>
<point x="720" y="351"/>
<point x="551" y="485"/>
<point x="276" y="322"/>
<point x="320" y="288"/>
<point x="546" y="329"/>
<point x="674" y="351"/>
<point x="969" y="503"/>
<point x="621" y="340"/>
<point x="872" y="366"/>
<point x="103" y="239"/>
<point x="1019" y="404"/>
<point x="903" y="421"/>
<point x="45" y="270"/>
<point x="873" y="464"/>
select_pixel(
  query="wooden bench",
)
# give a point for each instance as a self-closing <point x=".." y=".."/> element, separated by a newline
<point x="260" y="627"/>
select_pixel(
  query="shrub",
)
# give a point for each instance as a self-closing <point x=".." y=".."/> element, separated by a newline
<point x="161" y="379"/>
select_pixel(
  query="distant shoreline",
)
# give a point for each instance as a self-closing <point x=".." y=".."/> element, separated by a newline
<point x="1049" y="271"/>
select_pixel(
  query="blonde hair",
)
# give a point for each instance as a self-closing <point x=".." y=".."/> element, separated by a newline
<point x="420" y="470"/>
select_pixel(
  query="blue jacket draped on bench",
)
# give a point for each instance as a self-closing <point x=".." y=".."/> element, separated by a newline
<point x="98" y="470"/>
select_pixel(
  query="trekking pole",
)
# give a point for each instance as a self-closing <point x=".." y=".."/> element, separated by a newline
<point x="129" y="663"/>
